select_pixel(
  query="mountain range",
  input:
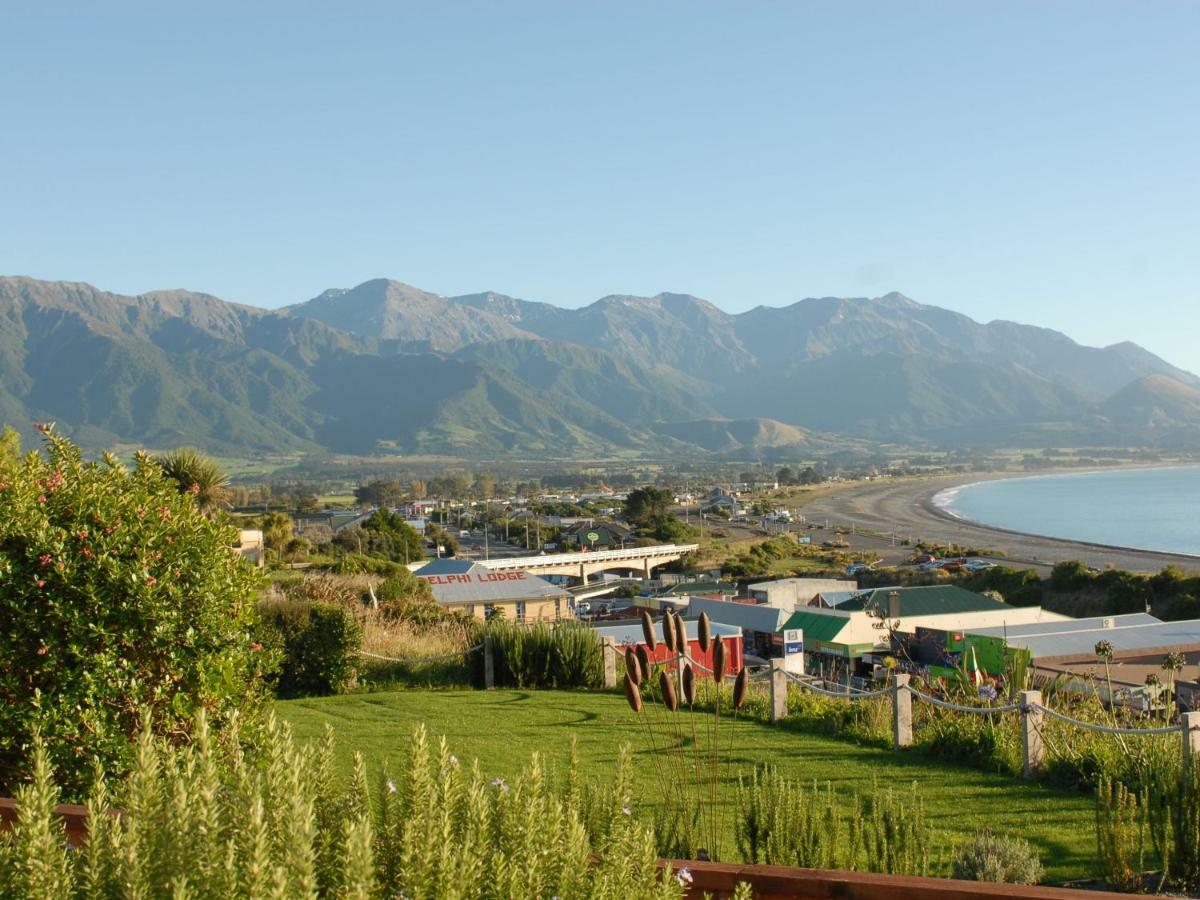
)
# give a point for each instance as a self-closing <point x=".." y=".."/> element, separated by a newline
<point x="387" y="367"/>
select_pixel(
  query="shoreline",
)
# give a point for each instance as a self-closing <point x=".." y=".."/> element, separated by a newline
<point x="936" y="509"/>
<point x="905" y="507"/>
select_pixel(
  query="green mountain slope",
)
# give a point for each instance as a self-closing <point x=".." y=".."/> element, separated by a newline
<point x="386" y="366"/>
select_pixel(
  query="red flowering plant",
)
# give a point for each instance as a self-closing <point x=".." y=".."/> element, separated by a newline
<point x="118" y="598"/>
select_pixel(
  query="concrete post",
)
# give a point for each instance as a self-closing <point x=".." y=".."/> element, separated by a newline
<point x="1191" y="740"/>
<point x="646" y="568"/>
<point x="1032" y="718"/>
<point x="583" y="574"/>
<point x="489" y="665"/>
<point x="779" y="708"/>
<point x="901" y="712"/>
<point x="609" y="649"/>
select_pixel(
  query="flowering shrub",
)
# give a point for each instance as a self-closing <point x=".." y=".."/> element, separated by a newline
<point x="211" y="820"/>
<point x="117" y="596"/>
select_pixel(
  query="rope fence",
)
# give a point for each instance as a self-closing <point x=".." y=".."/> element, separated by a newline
<point x="1108" y="729"/>
<point x="1029" y="707"/>
<point x="842" y="695"/>
<point x="957" y="707"/>
<point x="422" y="659"/>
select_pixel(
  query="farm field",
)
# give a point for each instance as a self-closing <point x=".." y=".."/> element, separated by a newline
<point x="503" y="728"/>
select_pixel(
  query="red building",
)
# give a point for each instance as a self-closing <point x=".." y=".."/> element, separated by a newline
<point x="629" y="634"/>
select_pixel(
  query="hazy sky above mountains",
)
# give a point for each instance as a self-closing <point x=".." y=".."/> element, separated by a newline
<point x="1028" y="161"/>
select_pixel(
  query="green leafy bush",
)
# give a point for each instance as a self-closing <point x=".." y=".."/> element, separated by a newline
<point x="317" y="644"/>
<point x="544" y="656"/>
<point x="212" y="820"/>
<point x="117" y="595"/>
<point x="997" y="858"/>
<point x="402" y="586"/>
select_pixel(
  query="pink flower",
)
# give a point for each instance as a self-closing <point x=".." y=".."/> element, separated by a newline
<point x="41" y="583"/>
<point x="41" y="498"/>
<point x="44" y="560"/>
<point x="255" y="646"/>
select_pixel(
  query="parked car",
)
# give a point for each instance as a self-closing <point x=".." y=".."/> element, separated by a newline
<point x="930" y="566"/>
<point x="856" y="568"/>
<point x="924" y="558"/>
<point x="978" y="565"/>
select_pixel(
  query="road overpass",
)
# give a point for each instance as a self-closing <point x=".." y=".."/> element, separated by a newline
<point x="581" y="565"/>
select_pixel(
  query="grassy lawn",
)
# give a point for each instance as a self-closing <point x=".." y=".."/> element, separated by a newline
<point x="502" y="729"/>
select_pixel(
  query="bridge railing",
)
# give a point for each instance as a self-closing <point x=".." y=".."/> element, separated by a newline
<point x="562" y="559"/>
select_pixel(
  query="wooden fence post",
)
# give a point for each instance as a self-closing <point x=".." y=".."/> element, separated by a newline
<point x="779" y="709"/>
<point x="609" y="649"/>
<point x="489" y="664"/>
<point x="901" y="712"/>
<point x="1032" y="718"/>
<point x="1191" y="740"/>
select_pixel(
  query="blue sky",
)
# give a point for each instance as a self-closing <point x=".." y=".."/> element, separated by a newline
<point x="1029" y="161"/>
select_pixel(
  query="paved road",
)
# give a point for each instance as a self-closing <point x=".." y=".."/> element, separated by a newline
<point x="904" y="506"/>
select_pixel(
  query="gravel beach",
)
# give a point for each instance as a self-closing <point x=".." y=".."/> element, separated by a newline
<point x="905" y="506"/>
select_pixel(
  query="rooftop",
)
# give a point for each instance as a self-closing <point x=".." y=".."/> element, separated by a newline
<point x="818" y="627"/>
<point x="478" y="584"/>
<point x="631" y="632"/>
<point x="1124" y="638"/>
<point x="931" y="600"/>
<point x="747" y="616"/>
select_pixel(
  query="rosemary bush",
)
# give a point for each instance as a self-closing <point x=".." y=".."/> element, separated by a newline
<point x="782" y="822"/>
<point x="1159" y="821"/>
<point x="212" y="820"/>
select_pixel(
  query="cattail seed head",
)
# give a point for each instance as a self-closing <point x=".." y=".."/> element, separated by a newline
<point x="740" y="685"/>
<point x="704" y="629"/>
<point x="680" y="635"/>
<point x="648" y="630"/>
<point x="670" y="698"/>
<point x="643" y="657"/>
<point x="632" y="668"/>
<point x="633" y="694"/>
<point x="689" y="684"/>
<point x="718" y="659"/>
<point x="669" y="631"/>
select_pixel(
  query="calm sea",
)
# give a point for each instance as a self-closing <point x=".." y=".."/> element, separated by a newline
<point x="1150" y="509"/>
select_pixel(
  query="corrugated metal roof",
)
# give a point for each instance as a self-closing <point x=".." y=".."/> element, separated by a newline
<point x="818" y="626"/>
<point x="476" y="584"/>
<point x="446" y="565"/>
<point x="747" y="616"/>
<point x="930" y="600"/>
<point x="1066" y="626"/>
<point x="631" y="632"/>
<point x="1129" y="638"/>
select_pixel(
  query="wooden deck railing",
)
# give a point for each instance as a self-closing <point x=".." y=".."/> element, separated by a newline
<point x="779" y="882"/>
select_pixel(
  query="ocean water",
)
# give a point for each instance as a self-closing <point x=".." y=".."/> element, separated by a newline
<point x="1149" y="509"/>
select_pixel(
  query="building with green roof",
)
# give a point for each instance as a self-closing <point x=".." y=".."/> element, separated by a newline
<point x="865" y="625"/>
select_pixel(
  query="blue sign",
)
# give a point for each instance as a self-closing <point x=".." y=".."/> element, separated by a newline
<point x="794" y="647"/>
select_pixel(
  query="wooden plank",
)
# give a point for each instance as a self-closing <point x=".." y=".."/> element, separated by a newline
<point x="778" y="882"/>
